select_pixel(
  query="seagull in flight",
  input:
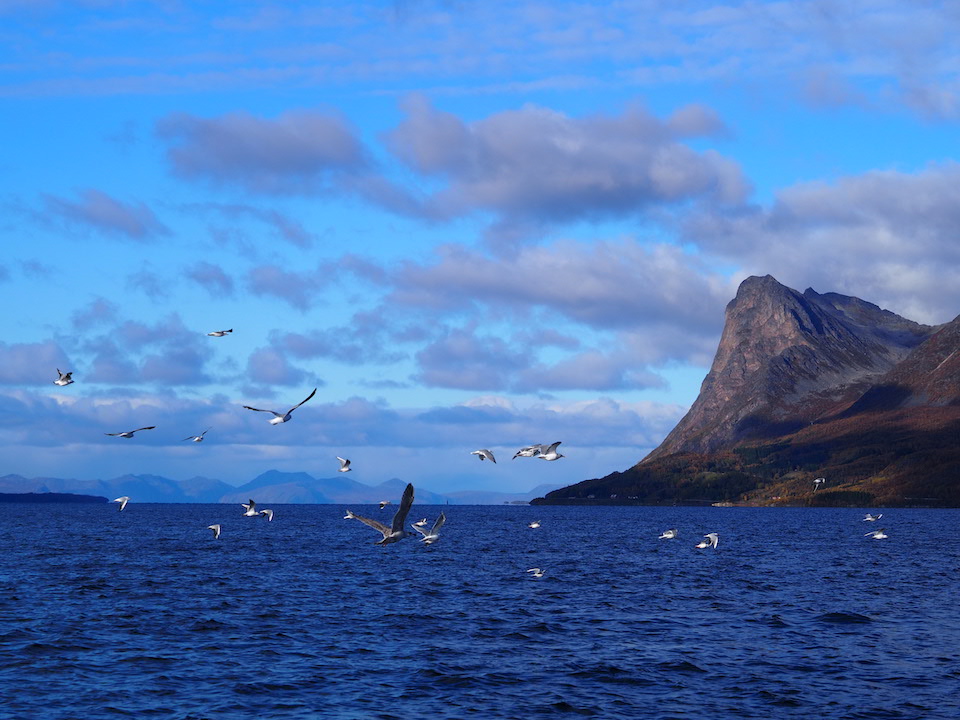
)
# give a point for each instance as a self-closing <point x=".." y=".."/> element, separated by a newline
<point x="129" y="433"/>
<point x="219" y="333"/>
<point x="528" y="451"/>
<point x="669" y="534"/>
<point x="384" y="503"/>
<point x="550" y="453"/>
<point x="64" y="378"/>
<point x="197" y="438"/>
<point x="123" y="500"/>
<point x="395" y="532"/>
<point x="485" y="454"/>
<point x="268" y="513"/>
<point x="278" y="418"/>
<point x="420" y="523"/>
<point x="872" y="518"/>
<point x="711" y="541"/>
<point x="537" y="572"/>
<point x="876" y="534"/>
<point x="216" y="531"/>
<point x="250" y="509"/>
<point x="433" y="534"/>
<point x="817" y="483"/>
<point x="344" y="464"/>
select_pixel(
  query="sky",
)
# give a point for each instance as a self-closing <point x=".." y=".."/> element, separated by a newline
<point x="467" y="224"/>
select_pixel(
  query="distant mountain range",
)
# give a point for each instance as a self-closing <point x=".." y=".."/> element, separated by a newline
<point x="272" y="486"/>
<point x="806" y="386"/>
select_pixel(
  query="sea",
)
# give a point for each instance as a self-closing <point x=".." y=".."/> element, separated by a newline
<point x="796" y="614"/>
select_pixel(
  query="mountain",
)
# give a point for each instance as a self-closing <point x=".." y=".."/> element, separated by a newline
<point x="806" y="385"/>
<point x="489" y="497"/>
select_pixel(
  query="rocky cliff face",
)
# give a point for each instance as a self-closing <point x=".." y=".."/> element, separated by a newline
<point x="787" y="359"/>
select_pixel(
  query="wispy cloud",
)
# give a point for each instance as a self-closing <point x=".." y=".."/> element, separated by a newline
<point x="99" y="211"/>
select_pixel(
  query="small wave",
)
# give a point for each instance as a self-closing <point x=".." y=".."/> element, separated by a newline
<point x="680" y="666"/>
<point x="844" y="618"/>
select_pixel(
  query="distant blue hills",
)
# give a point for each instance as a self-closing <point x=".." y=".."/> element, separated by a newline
<point x="273" y="486"/>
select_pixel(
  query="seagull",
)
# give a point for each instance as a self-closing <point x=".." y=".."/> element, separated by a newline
<point x="278" y="418"/>
<point x="268" y="513"/>
<point x="219" y="333"/>
<point x="711" y="541"/>
<point x="123" y="500"/>
<point x="550" y="453"/>
<point x="535" y="524"/>
<point x="871" y="518"/>
<point x="395" y="532"/>
<point x="64" y="378"/>
<point x="216" y="531"/>
<point x="250" y="509"/>
<point x="433" y="534"/>
<point x="344" y="464"/>
<point x="529" y="451"/>
<point x="384" y="503"/>
<point x="129" y="433"/>
<point x="198" y="438"/>
<point x="876" y="534"/>
<point x="537" y="572"/>
<point x="420" y="523"/>
<point x="484" y="454"/>
<point x="817" y="483"/>
<point x="669" y="534"/>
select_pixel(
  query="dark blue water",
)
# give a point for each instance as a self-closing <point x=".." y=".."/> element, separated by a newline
<point x="796" y="615"/>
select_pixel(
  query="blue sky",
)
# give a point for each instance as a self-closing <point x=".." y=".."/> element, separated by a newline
<point x="468" y="224"/>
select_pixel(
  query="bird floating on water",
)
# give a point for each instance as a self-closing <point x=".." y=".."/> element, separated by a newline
<point x="123" y="500"/>
<point x="551" y="452"/>
<point x="395" y="532"/>
<point x="278" y="418"/>
<point x="712" y="539"/>
<point x="216" y="531"/>
<point x="535" y="524"/>
<point x="668" y="534"/>
<point x="129" y="433"/>
<point x="433" y="534"/>
<point x="484" y="454"/>
<point x="198" y="438"/>
<point x="872" y="518"/>
<point x="344" y="464"/>
<point x="64" y="378"/>
<point x="219" y="333"/>
<point x="537" y="572"/>
<point x="876" y="534"/>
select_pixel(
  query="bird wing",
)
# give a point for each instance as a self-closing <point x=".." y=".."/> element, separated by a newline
<point x="405" y="503"/>
<point x="438" y="524"/>
<point x="274" y="412"/>
<point x="423" y="531"/>
<point x="148" y="427"/>
<point x="551" y="449"/>
<point x="113" y="434"/>
<point x="302" y="401"/>
<point x="375" y="524"/>
<point x="343" y="462"/>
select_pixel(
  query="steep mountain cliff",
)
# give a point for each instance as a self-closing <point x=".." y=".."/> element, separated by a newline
<point x="806" y="386"/>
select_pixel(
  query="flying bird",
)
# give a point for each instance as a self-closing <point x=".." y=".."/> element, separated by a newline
<point x="876" y="534"/>
<point x="64" y="378"/>
<point x="384" y="503"/>
<point x="344" y="464"/>
<point x="537" y="572"/>
<point x="550" y="453"/>
<point x="219" y="333"/>
<point x="123" y="500"/>
<point x="268" y="513"/>
<point x="433" y="534"/>
<point x="872" y="518"/>
<point x="669" y="534"/>
<point x="711" y="541"/>
<point x="285" y="417"/>
<point x="250" y="508"/>
<point x="129" y="433"/>
<point x="197" y="438"/>
<point x="395" y="532"/>
<point x="484" y="454"/>
<point x="529" y="451"/>
<point x="216" y="531"/>
<point x="421" y="523"/>
<point x="817" y="483"/>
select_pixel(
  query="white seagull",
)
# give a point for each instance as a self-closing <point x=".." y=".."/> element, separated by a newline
<point x="250" y="509"/>
<point x="384" y="503"/>
<point x="420" y="523"/>
<point x="344" y="464"/>
<point x="817" y="483"/>
<point x="216" y="531"/>
<point x="872" y="518"/>
<point x="669" y="534"/>
<point x="129" y="433"/>
<point x="711" y="541"/>
<point x="535" y="524"/>
<point x="278" y="418"/>
<point x="267" y="513"/>
<point x="395" y="532"/>
<point x="123" y="500"/>
<point x="219" y="333"/>
<point x="528" y="451"/>
<point x="537" y="572"/>
<point x="64" y="378"/>
<point x="197" y="438"/>
<point x="433" y="534"/>
<point x="484" y="454"/>
<point x="876" y="534"/>
<point x="550" y="453"/>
